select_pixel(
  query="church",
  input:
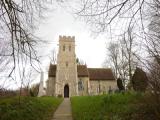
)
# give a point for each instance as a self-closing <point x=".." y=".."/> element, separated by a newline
<point x="67" y="78"/>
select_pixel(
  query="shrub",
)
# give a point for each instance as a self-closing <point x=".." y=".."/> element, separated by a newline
<point x="34" y="90"/>
<point x="139" y="80"/>
<point x="120" y="84"/>
<point x="7" y="93"/>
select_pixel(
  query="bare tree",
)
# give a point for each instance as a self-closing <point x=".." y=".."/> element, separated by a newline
<point x="155" y="76"/>
<point x="129" y="52"/>
<point x="113" y="55"/>
<point x="101" y="13"/>
<point x="17" y="23"/>
<point x="53" y="57"/>
<point x="121" y="55"/>
<point x="4" y="60"/>
<point x="153" y="37"/>
<point x="152" y="45"/>
<point x="18" y="43"/>
<point x="18" y="51"/>
<point x="117" y="60"/>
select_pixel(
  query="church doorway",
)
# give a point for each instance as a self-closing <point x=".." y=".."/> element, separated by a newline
<point x="66" y="91"/>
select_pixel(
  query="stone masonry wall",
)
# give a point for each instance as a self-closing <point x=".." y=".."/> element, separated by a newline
<point x="104" y="86"/>
<point x="50" y="86"/>
<point x="66" y="66"/>
<point x="85" y="83"/>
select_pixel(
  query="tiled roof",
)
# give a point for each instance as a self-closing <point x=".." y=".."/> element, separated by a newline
<point x="82" y="71"/>
<point x="100" y="74"/>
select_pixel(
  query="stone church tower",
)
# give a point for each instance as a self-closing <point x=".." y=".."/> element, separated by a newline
<point x="68" y="78"/>
<point x="66" y="74"/>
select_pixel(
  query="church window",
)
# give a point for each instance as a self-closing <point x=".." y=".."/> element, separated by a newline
<point x="66" y="64"/>
<point x="63" y="47"/>
<point x="69" y="48"/>
<point x="110" y="89"/>
<point x="97" y="89"/>
<point x="80" y="85"/>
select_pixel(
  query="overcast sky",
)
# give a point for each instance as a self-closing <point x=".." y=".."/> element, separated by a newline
<point x="59" y="21"/>
<point x="91" y="50"/>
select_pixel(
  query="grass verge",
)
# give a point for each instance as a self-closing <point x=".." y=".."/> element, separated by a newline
<point x="31" y="108"/>
<point x="128" y="106"/>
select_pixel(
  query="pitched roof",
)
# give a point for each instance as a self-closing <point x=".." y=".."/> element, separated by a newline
<point x="100" y="74"/>
<point x="52" y="70"/>
<point x="82" y="71"/>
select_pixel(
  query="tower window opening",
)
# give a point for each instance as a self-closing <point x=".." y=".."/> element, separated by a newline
<point x="63" y="47"/>
<point x="66" y="64"/>
<point x="69" y="48"/>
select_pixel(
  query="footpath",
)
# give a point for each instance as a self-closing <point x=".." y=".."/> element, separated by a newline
<point x="63" y="112"/>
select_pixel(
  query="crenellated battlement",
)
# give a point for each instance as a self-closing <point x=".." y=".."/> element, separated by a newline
<point x="67" y="38"/>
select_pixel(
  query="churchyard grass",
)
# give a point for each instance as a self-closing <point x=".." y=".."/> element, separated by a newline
<point x="30" y="108"/>
<point x="121" y="106"/>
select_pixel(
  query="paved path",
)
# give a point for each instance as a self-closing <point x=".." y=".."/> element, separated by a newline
<point x="63" y="112"/>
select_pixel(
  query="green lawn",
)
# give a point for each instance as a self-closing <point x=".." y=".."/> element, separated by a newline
<point x="128" y="106"/>
<point x="31" y="108"/>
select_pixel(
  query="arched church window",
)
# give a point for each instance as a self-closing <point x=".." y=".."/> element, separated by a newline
<point x="70" y="48"/>
<point x="63" y="47"/>
<point x="80" y="85"/>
